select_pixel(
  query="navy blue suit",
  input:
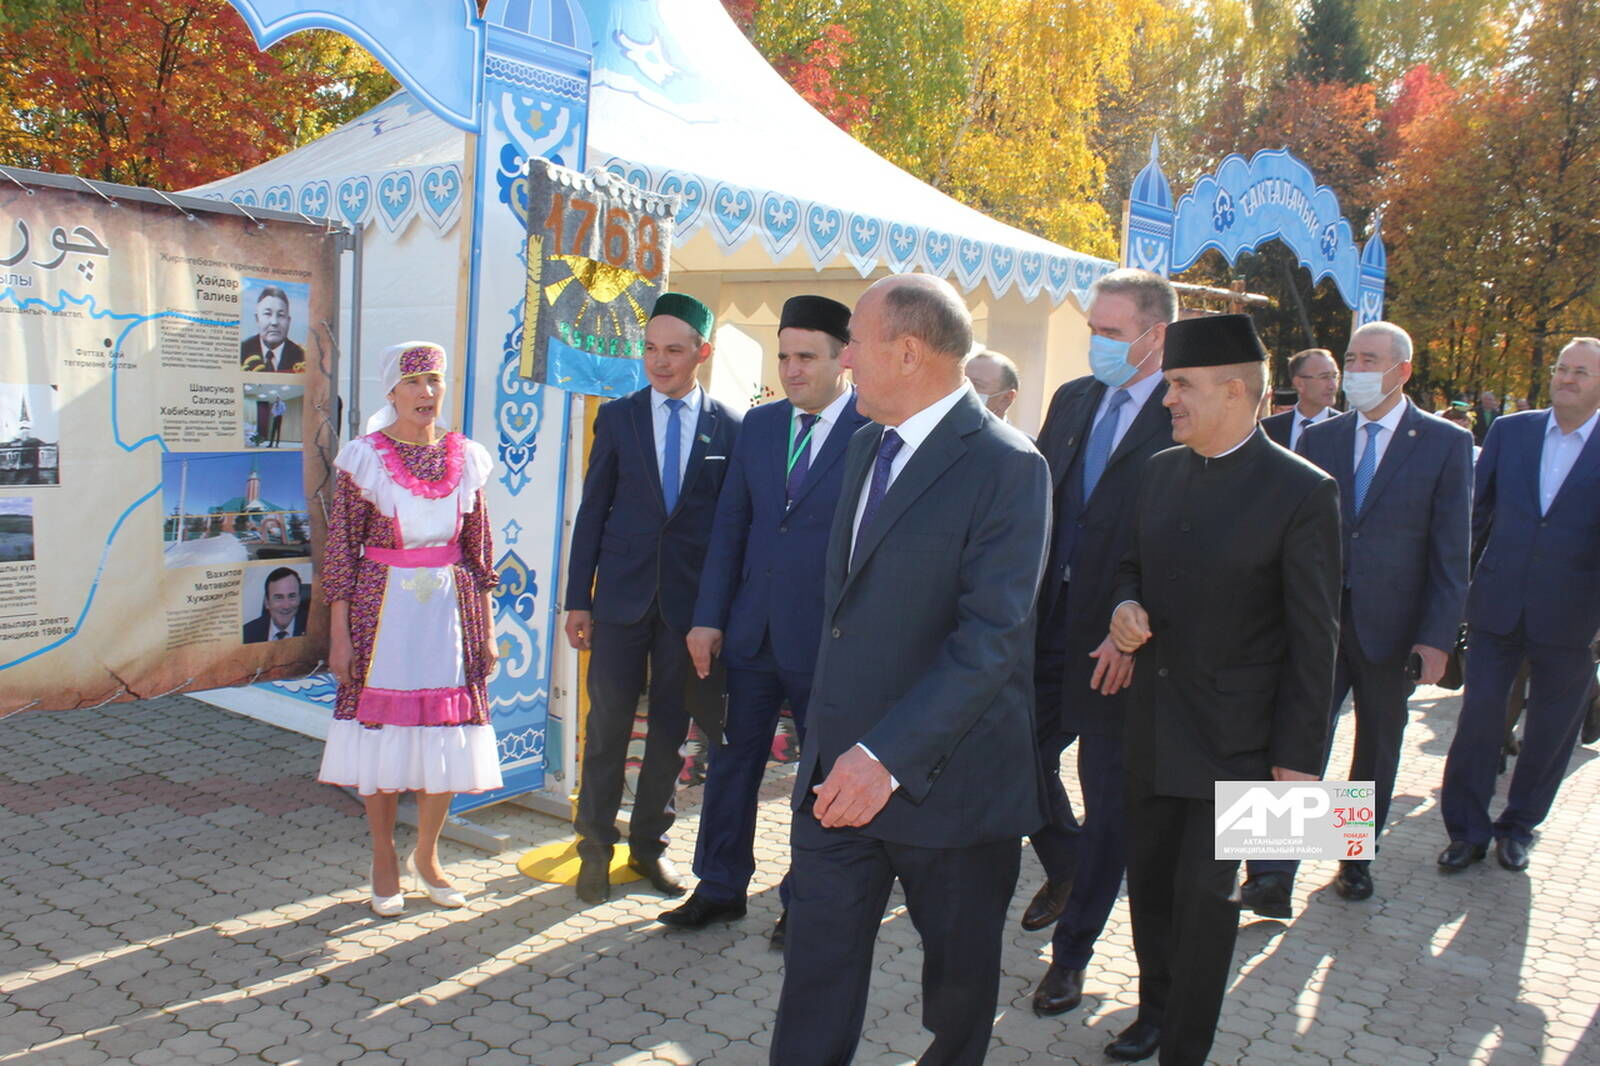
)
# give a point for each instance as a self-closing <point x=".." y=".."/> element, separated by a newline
<point x="637" y="568"/>
<point x="1405" y="577"/>
<point x="1278" y="427"/>
<point x="1535" y="595"/>
<point x="762" y="586"/>
<point x="1074" y="618"/>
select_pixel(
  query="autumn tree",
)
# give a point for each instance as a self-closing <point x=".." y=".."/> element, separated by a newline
<point x="168" y="93"/>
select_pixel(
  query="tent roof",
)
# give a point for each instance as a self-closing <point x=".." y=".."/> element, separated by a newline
<point x="712" y="122"/>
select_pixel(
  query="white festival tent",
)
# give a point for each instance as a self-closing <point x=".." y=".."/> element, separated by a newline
<point x="776" y="200"/>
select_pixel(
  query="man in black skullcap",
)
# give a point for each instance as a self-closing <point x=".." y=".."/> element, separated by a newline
<point x="760" y="602"/>
<point x="1230" y="598"/>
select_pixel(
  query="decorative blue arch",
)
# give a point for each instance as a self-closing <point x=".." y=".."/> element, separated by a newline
<point x="1243" y="205"/>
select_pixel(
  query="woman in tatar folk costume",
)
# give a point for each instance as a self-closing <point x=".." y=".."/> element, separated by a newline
<point x="408" y="569"/>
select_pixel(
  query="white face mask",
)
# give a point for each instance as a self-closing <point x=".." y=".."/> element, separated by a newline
<point x="1364" y="389"/>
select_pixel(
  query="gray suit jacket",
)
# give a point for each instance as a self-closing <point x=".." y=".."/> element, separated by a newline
<point x="927" y="634"/>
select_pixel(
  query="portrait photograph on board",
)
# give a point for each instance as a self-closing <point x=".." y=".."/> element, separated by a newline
<point x="273" y="415"/>
<point x="273" y="319"/>
<point x="233" y="507"/>
<point x="274" y="602"/>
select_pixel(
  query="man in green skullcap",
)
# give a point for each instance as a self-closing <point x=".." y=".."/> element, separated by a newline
<point x="655" y="469"/>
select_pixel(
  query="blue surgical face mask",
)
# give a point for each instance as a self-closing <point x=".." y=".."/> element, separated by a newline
<point x="1108" y="360"/>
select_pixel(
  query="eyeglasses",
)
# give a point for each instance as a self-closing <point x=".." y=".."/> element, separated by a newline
<point x="1577" y="373"/>
<point x="1330" y="376"/>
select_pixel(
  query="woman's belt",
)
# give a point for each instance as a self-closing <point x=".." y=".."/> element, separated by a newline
<point x="443" y="555"/>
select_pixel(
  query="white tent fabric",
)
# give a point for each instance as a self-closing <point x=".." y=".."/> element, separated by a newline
<point x="713" y="123"/>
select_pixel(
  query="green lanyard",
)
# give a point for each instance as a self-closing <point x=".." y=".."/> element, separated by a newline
<point x="797" y="448"/>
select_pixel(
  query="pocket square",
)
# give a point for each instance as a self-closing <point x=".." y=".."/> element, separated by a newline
<point x="714" y="458"/>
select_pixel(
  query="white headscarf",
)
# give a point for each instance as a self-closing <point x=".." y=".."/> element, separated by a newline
<point x="427" y="356"/>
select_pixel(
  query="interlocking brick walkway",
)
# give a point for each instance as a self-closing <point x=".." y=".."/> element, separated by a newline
<point x="175" y="888"/>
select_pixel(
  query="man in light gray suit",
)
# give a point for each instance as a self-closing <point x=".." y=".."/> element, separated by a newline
<point x="919" y="759"/>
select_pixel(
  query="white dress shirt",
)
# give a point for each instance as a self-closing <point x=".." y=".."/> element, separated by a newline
<point x="1390" y="423"/>
<point x="1558" y="455"/>
<point x="688" y="418"/>
<point x="279" y="633"/>
<point x="827" y="418"/>
<point x="1298" y="425"/>
<point x="912" y="432"/>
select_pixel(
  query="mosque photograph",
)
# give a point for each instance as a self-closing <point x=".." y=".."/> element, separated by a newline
<point x="29" y="436"/>
<point x="233" y="507"/>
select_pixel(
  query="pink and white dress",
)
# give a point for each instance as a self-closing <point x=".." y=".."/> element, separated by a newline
<point x="409" y="549"/>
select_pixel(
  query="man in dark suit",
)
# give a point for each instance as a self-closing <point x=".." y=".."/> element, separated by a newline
<point x="271" y="350"/>
<point x="657" y="463"/>
<point x="283" y="610"/>
<point x="1405" y="491"/>
<point x="1098" y="434"/>
<point x="760" y="602"/>
<point x="1316" y="382"/>
<point x="1535" y="595"/>
<point x="919" y="759"/>
<point x="1230" y="597"/>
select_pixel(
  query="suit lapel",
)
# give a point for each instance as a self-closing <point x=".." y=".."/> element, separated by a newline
<point x="833" y="448"/>
<point x="932" y="458"/>
<point x="855" y="476"/>
<point x="778" y="451"/>
<point x="1582" y="468"/>
<point x="705" y="429"/>
<point x="1151" y="419"/>
<point x="1396" y="454"/>
<point x="1078" y="422"/>
<point x="1344" y="464"/>
<point x="645" y="430"/>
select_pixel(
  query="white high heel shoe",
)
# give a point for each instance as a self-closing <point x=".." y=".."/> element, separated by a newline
<point x="385" y="906"/>
<point x="442" y="897"/>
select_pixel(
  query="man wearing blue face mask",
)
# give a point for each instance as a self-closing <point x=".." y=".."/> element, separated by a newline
<point x="1098" y="433"/>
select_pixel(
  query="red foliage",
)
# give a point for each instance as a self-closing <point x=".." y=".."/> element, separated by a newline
<point x="814" y="76"/>
<point x="164" y="93"/>
<point x="1422" y="93"/>
<point x="743" y="12"/>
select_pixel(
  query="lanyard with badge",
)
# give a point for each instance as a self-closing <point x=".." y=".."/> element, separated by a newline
<point x="797" y="448"/>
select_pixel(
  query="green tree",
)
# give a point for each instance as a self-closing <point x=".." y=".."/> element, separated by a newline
<point x="1331" y="45"/>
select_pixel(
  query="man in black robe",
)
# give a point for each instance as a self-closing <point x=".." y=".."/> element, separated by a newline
<point x="1230" y="598"/>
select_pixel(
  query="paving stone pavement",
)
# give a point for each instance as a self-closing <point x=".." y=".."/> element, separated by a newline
<point x="176" y="889"/>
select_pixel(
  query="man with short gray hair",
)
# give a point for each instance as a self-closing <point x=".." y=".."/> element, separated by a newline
<point x="1405" y="490"/>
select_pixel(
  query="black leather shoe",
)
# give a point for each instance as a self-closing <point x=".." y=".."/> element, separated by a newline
<point x="661" y="874"/>
<point x="1354" y="881"/>
<point x="1512" y="854"/>
<point x="1268" y="895"/>
<point x="1138" y="1041"/>
<point x="594" y="880"/>
<point x="780" y="932"/>
<point x="1046" y="905"/>
<point x="1059" y="991"/>
<point x="697" y="912"/>
<point x="1460" y="855"/>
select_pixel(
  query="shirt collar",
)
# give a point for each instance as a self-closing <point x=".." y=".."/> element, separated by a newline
<point x="691" y="399"/>
<point x="1301" y="416"/>
<point x="1140" y="390"/>
<point x="1552" y="427"/>
<point x="914" y="430"/>
<point x="1390" y="421"/>
<point x="829" y="415"/>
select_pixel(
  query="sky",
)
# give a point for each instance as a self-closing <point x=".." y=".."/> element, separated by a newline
<point x="218" y="476"/>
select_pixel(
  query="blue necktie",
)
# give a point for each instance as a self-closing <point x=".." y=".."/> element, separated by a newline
<point x="888" y="447"/>
<point x="1368" y="465"/>
<point x="802" y="461"/>
<point x="1098" y="451"/>
<point x="671" y="466"/>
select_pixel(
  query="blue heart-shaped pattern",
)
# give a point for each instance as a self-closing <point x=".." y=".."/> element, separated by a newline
<point x="732" y="208"/>
<point x="315" y="199"/>
<point x="355" y="199"/>
<point x="278" y="198"/>
<point x="639" y="178"/>
<point x="824" y="228"/>
<point x="1059" y="272"/>
<point x="1082" y="274"/>
<point x="1001" y="261"/>
<point x="441" y="192"/>
<point x="936" y="251"/>
<point x="864" y="234"/>
<point x="691" y="192"/>
<point x="901" y="247"/>
<point x="244" y="198"/>
<point x="397" y="193"/>
<point x="780" y="219"/>
<point x="1030" y="267"/>
<point x="969" y="261"/>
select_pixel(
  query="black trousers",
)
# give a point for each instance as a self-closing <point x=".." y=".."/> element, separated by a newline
<point x="620" y="657"/>
<point x="1185" y="919"/>
<point x="839" y="884"/>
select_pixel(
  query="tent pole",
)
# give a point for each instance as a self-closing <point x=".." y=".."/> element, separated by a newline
<point x="355" y="333"/>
